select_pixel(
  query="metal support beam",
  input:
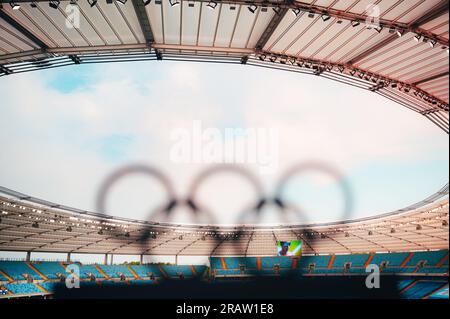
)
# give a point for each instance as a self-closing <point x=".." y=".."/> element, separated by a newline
<point x="271" y="27"/>
<point x="435" y="13"/>
<point x="144" y="22"/>
<point x="429" y="16"/>
<point x="373" y="49"/>
<point x="431" y="78"/>
<point x="22" y="29"/>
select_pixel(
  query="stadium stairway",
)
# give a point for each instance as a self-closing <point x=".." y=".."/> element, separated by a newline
<point x="6" y="276"/>
<point x="163" y="272"/>
<point x="133" y="272"/>
<point x="41" y="288"/>
<point x="36" y="270"/>
<point x="101" y="272"/>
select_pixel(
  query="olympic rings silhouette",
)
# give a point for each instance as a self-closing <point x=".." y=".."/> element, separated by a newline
<point x="202" y="215"/>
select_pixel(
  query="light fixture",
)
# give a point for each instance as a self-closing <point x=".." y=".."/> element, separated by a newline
<point x="355" y="23"/>
<point x="325" y="17"/>
<point x="417" y="38"/>
<point x="273" y="58"/>
<point x="212" y="5"/>
<point x="433" y="43"/>
<point x="174" y="3"/>
<point x="296" y="12"/>
<point x="311" y="14"/>
<point x="252" y="8"/>
<point x="122" y="1"/>
<point x="146" y="2"/>
<point x="379" y="29"/>
<point x="400" y="33"/>
<point x="394" y="85"/>
<point x="14" y="6"/>
<point x="262" y="57"/>
<point x="54" y="4"/>
<point x="276" y="10"/>
<point x="92" y="3"/>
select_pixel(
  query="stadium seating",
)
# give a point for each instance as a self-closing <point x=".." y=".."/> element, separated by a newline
<point x="143" y="271"/>
<point x="113" y="271"/>
<point x="356" y="260"/>
<point x="319" y="261"/>
<point x="23" y="288"/>
<point x="3" y="278"/>
<point x="393" y="259"/>
<point x="85" y="270"/>
<point x="431" y="258"/>
<point x="50" y="269"/>
<point x="17" y="269"/>
<point x="440" y="294"/>
<point x="421" y="289"/>
<point x="176" y="271"/>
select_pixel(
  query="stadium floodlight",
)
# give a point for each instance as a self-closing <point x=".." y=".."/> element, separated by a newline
<point x="54" y="4"/>
<point x="433" y="43"/>
<point x="174" y="3"/>
<point x="212" y="5"/>
<point x="326" y="17"/>
<point x="276" y="10"/>
<point x="252" y="8"/>
<point x="122" y="1"/>
<point x="296" y="12"/>
<point x="14" y="5"/>
<point x="92" y="3"/>
<point x="355" y="23"/>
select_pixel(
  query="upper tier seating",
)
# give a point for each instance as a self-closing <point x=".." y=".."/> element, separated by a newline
<point x="175" y="271"/>
<point x="319" y="261"/>
<point x="145" y="270"/>
<point x="432" y="258"/>
<point x="357" y="260"/>
<point x="113" y="271"/>
<point x="50" y="269"/>
<point x="393" y="259"/>
<point x="17" y="269"/>
<point x="85" y="270"/>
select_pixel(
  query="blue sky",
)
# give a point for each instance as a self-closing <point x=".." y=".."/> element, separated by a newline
<point x="64" y="130"/>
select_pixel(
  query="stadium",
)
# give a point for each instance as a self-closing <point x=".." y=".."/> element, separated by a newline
<point x="400" y="53"/>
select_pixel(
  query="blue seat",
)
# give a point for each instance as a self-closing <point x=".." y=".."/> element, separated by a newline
<point x="430" y="257"/>
<point x="145" y="270"/>
<point x="422" y="288"/>
<point x="25" y="288"/>
<point x="356" y="260"/>
<point x="50" y="269"/>
<point x="17" y="269"/>
<point x="114" y="271"/>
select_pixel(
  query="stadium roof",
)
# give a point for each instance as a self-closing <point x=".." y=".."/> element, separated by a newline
<point x="397" y="48"/>
<point x="32" y="224"/>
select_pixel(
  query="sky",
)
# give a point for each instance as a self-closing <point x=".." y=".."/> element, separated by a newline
<point x="63" y="131"/>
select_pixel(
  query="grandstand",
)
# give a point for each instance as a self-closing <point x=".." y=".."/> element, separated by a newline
<point x="411" y="244"/>
<point x="404" y="58"/>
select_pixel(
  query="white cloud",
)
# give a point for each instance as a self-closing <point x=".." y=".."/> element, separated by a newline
<point x="52" y="141"/>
